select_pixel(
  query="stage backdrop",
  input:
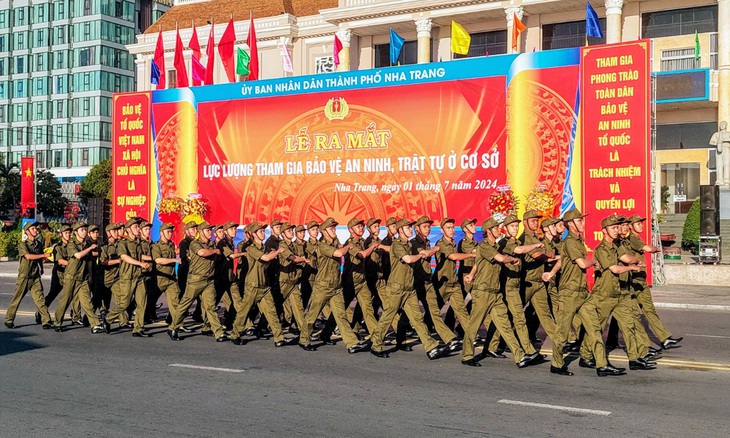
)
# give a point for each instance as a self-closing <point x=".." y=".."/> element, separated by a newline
<point x="565" y="127"/>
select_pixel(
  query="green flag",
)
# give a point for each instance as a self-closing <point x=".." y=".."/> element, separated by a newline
<point x="242" y="64"/>
<point x="697" y="45"/>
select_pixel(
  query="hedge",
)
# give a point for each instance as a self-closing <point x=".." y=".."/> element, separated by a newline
<point x="691" y="229"/>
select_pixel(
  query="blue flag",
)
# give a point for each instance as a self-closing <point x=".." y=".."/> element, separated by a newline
<point x="155" y="75"/>
<point x="396" y="45"/>
<point x="593" y="26"/>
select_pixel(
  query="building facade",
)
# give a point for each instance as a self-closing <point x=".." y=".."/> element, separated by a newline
<point x="692" y="84"/>
<point x="60" y="63"/>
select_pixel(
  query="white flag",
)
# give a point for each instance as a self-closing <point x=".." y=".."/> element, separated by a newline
<point x="285" y="55"/>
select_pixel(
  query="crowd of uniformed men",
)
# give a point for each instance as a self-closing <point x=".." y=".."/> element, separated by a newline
<point x="508" y="283"/>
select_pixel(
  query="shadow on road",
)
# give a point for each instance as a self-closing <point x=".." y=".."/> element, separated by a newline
<point x="12" y="342"/>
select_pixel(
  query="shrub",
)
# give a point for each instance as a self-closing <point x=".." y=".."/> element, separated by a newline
<point x="691" y="229"/>
<point x="9" y="243"/>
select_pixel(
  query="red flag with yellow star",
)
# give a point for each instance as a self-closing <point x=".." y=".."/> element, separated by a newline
<point x="27" y="183"/>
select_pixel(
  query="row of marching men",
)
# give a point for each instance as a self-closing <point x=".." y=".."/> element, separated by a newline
<point x="485" y="283"/>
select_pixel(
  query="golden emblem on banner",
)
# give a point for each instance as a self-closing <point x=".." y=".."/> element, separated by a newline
<point x="336" y="109"/>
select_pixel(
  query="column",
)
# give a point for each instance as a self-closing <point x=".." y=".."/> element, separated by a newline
<point x="723" y="60"/>
<point x="144" y="69"/>
<point x="614" y="25"/>
<point x="424" y="26"/>
<point x="345" y="35"/>
<point x="510" y="12"/>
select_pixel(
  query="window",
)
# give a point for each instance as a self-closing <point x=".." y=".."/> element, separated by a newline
<point x="19" y="136"/>
<point x="118" y="9"/>
<point x="19" y="88"/>
<point x="21" y="16"/>
<point x="570" y="34"/>
<point x="85" y="57"/>
<point x="59" y="109"/>
<point x="85" y="157"/>
<point x="20" y="40"/>
<point x="486" y="43"/>
<point x="87" y="106"/>
<point x="87" y="31"/>
<point x="85" y="132"/>
<point x="2" y="113"/>
<point x="42" y="13"/>
<point x="39" y="85"/>
<point x="20" y="64"/>
<point x="2" y="43"/>
<point x="61" y="8"/>
<point x="171" y="79"/>
<point x="713" y="51"/>
<point x="2" y="67"/>
<point x="118" y="83"/>
<point x="679" y="22"/>
<point x="39" y="62"/>
<point x="679" y="59"/>
<point x="61" y="35"/>
<point x="41" y="37"/>
<point x="324" y="64"/>
<point x="39" y="113"/>
<point x="87" y="7"/>
<point x="408" y="54"/>
<point x="57" y="159"/>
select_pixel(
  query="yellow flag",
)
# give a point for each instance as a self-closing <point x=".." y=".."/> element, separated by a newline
<point x="460" y="39"/>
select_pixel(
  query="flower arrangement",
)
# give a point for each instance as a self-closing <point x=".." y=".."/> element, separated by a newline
<point x="171" y="205"/>
<point x="179" y="211"/>
<point x="502" y="202"/>
<point x="194" y="206"/>
<point x="540" y="200"/>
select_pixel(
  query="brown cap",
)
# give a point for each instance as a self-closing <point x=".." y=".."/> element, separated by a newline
<point x="372" y="221"/>
<point x="354" y="221"/>
<point x="391" y="221"/>
<point x="144" y="224"/>
<point x="573" y="214"/>
<point x="255" y="226"/>
<point x="204" y="225"/>
<point x="109" y="227"/>
<point x="329" y="222"/>
<point x="636" y="219"/>
<point x="286" y="225"/>
<point x="67" y="227"/>
<point x="191" y="224"/>
<point x="218" y="228"/>
<point x="423" y="220"/>
<point x="93" y="228"/>
<point x="404" y="223"/>
<point x="312" y="224"/>
<point x="30" y="224"/>
<point x="132" y="221"/>
<point x="299" y="228"/>
<point x="489" y="224"/>
<point x="530" y="214"/>
<point x="623" y="220"/>
<point x="167" y="226"/>
<point x="610" y="220"/>
<point x="466" y="222"/>
<point x="447" y="220"/>
<point x="229" y="224"/>
<point x="275" y="222"/>
<point x="510" y="219"/>
<point x="77" y="225"/>
<point x="548" y="221"/>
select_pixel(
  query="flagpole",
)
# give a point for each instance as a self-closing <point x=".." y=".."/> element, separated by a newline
<point x="35" y="179"/>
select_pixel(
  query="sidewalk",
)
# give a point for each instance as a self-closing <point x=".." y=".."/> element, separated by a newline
<point x="672" y="296"/>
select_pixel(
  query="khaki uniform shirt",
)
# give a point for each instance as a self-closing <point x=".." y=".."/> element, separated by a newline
<point x="201" y="268"/>
<point x="242" y="268"/>
<point x="532" y="269"/>
<point x="328" y="266"/>
<point x="289" y="271"/>
<point x="637" y="248"/>
<point x="77" y="269"/>
<point x="256" y="277"/>
<point x="132" y="248"/>
<point x="224" y="263"/>
<point x="488" y="268"/>
<point x="510" y="271"/>
<point x="354" y="270"/>
<point x="572" y="277"/>
<point x="164" y="250"/>
<point x="401" y="273"/>
<point x="374" y="264"/>
<point x="111" y="273"/>
<point x="445" y="267"/>
<point x="421" y="269"/>
<point x="59" y="252"/>
<point x="30" y="269"/>
<point x="465" y="246"/>
<point x="607" y="283"/>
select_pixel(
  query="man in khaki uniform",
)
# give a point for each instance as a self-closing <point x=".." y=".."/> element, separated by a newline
<point x="300" y="250"/>
<point x="423" y="277"/>
<point x="99" y="299"/>
<point x="30" y="269"/>
<point x="163" y="254"/>
<point x="109" y="263"/>
<point x="310" y="270"/>
<point x="225" y="277"/>
<point x="291" y="262"/>
<point x="75" y="281"/>
<point x="354" y="284"/>
<point x="374" y="271"/>
<point x="131" y="280"/>
<point x="60" y="260"/>
<point x="400" y="294"/>
<point x="640" y="288"/>
<point x="202" y="254"/>
<point x="328" y="290"/>
<point x="258" y="289"/>
<point x="487" y="297"/>
<point x="552" y="243"/>
<point x="445" y="277"/>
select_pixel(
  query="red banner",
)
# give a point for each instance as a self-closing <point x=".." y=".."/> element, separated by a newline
<point x="27" y="184"/>
<point x="131" y="140"/>
<point x="615" y="133"/>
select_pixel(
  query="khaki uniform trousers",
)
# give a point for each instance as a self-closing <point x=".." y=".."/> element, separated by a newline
<point x="536" y="294"/>
<point x="594" y="313"/>
<point x="490" y="304"/>
<point x="35" y="287"/>
<point x="76" y="308"/>
<point x="646" y="304"/>
<point x="172" y="294"/>
<point x="322" y="295"/>
<point x="428" y="292"/>
<point x="205" y="290"/>
<point x="265" y="301"/>
<point x="128" y="288"/>
<point x="452" y="294"/>
<point x="517" y="310"/>
<point x="363" y="309"/>
<point x="552" y="290"/>
<point x="397" y="297"/>
<point x="568" y="304"/>
<point x="624" y="310"/>
<point x="292" y="294"/>
<point x="75" y="289"/>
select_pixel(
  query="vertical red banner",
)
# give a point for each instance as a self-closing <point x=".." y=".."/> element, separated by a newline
<point x="615" y="90"/>
<point x="131" y="139"/>
<point x="27" y="184"/>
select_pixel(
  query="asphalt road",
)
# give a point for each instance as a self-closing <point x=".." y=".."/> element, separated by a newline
<point x="77" y="384"/>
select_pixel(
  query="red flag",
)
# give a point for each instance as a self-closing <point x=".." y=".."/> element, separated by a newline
<point x="27" y="183"/>
<point x="195" y="47"/>
<point x="336" y="50"/>
<point x="253" y="65"/>
<point x="160" y="61"/>
<point x="198" y="72"/>
<point x="179" y="63"/>
<point x="210" y="52"/>
<point x="517" y="29"/>
<point x="225" y="49"/>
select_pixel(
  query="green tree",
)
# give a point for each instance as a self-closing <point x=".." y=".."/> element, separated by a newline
<point x="48" y="194"/>
<point x="98" y="182"/>
<point x="691" y="229"/>
<point x="9" y="187"/>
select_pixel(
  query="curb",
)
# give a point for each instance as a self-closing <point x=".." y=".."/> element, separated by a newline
<point x="685" y="306"/>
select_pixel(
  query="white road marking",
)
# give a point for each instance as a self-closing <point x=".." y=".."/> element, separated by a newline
<point x="684" y="306"/>
<point x="198" y="367"/>
<point x="556" y="407"/>
<point x="708" y="336"/>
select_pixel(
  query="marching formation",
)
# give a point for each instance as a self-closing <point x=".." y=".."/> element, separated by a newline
<point x="303" y="280"/>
